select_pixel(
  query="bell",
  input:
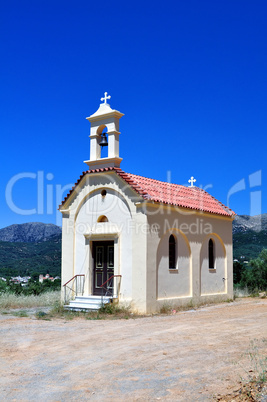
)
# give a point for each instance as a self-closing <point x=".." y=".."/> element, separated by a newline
<point x="104" y="141"/>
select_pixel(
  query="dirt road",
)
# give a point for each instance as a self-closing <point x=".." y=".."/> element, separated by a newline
<point x="188" y="356"/>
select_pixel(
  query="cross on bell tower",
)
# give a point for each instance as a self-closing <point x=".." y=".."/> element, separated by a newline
<point x="104" y="118"/>
<point x="106" y="97"/>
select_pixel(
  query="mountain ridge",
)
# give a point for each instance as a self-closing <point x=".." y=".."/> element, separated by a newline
<point x="32" y="232"/>
<point x="245" y="223"/>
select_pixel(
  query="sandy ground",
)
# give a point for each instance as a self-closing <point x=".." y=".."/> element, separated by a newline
<point x="188" y="356"/>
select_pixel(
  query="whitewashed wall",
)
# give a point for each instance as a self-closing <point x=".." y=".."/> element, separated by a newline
<point x="213" y="281"/>
<point x="81" y="228"/>
<point x="173" y="283"/>
<point x="192" y="281"/>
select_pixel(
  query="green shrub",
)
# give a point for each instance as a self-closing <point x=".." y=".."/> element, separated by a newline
<point x="21" y="313"/>
<point x="252" y="276"/>
<point x="40" y="314"/>
<point x="165" y="309"/>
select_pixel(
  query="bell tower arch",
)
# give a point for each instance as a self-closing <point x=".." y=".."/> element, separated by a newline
<point x="105" y="123"/>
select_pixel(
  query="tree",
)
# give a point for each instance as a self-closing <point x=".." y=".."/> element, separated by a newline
<point x="238" y="270"/>
<point x="252" y="276"/>
<point x="3" y="286"/>
<point x="259" y="271"/>
<point x="35" y="276"/>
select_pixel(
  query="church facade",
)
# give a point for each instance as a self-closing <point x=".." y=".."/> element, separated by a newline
<point x="143" y="242"/>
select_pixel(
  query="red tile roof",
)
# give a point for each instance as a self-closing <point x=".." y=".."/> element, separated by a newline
<point x="167" y="193"/>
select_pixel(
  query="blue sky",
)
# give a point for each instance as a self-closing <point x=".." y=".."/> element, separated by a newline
<point x="190" y="77"/>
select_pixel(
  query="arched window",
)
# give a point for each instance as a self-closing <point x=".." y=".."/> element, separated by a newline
<point x="102" y="218"/>
<point x="172" y="252"/>
<point x="211" y="254"/>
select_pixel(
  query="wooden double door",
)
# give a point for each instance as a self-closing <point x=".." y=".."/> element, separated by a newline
<point x="103" y="266"/>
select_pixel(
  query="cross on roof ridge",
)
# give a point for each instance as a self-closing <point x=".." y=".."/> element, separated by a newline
<point x="192" y="181"/>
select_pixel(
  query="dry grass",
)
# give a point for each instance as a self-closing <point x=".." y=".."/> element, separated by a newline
<point x="47" y="299"/>
<point x="241" y="292"/>
<point x="108" y="311"/>
<point x="253" y="384"/>
<point x="245" y="292"/>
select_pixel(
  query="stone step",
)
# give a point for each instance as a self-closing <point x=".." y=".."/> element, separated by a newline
<point x="93" y="299"/>
<point x="90" y="303"/>
<point x="80" y="307"/>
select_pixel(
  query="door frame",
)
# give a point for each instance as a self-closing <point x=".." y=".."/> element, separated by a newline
<point x="105" y="271"/>
<point x="90" y="238"/>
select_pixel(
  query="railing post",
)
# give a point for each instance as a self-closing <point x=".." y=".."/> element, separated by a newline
<point x="75" y="288"/>
<point x="118" y="286"/>
<point x="115" y="287"/>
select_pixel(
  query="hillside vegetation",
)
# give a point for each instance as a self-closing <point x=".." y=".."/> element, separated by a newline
<point x="26" y="258"/>
<point x="249" y="244"/>
<point x="249" y="236"/>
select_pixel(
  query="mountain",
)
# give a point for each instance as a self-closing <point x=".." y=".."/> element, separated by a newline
<point x="30" y="247"/>
<point x="245" y="223"/>
<point x="32" y="232"/>
<point x="249" y="236"/>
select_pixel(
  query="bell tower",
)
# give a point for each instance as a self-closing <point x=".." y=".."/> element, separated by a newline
<point x="103" y="119"/>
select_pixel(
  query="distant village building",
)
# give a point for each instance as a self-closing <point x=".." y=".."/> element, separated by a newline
<point x="18" y="280"/>
<point x="141" y="241"/>
<point x="47" y="277"/>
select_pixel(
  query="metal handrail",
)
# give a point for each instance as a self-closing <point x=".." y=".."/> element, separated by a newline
<point x="113" y="276"/>
<point x="74" y="288"/>
<point x="73" y="278"/>
<point x="107" y="288"/>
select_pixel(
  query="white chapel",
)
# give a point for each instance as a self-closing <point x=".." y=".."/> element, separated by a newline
<point x="139" y="241"/>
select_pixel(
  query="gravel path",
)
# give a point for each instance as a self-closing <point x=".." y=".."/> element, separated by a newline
<point x="189" y="356"/>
